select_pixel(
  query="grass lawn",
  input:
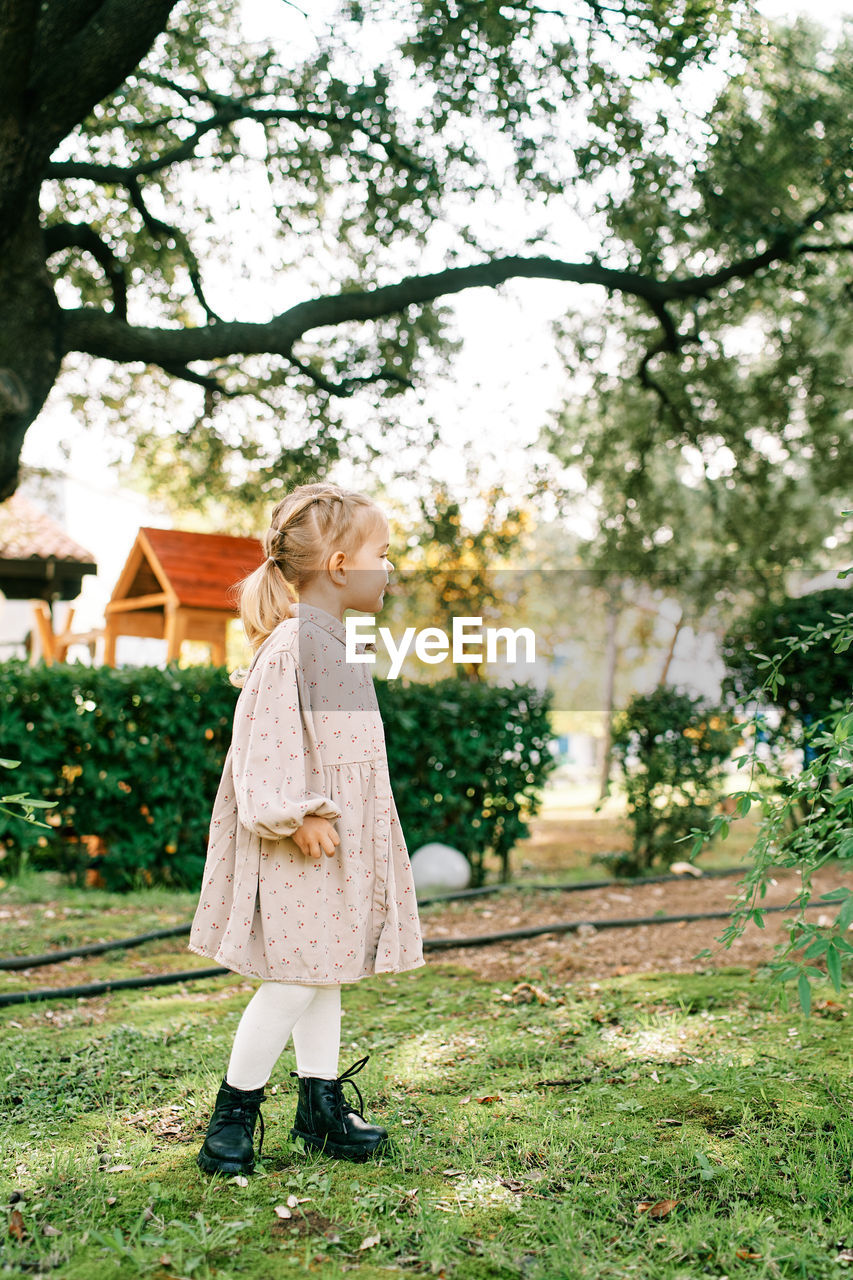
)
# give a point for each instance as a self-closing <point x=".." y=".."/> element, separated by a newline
<point x="650" y="1126"/>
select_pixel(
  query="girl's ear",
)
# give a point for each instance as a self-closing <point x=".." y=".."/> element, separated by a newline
<point x="335" y="567"/>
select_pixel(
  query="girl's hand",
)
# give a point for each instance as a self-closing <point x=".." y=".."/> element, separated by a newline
<point x="316" y="836"/>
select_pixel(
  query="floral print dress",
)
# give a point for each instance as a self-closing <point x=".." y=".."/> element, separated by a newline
<point x="307" y="739"/>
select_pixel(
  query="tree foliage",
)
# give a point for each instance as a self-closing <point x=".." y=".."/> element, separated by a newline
<point x="131" y="137"/>
<point x="730" y="451"/>
<point x="810" y="678"/>
<point x="806" y="819"/>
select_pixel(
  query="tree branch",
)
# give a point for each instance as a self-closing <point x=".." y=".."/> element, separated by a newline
<point x="208" y="381"/>
<point x="651" y="383"/>
<point x="228" y="111"/>
<point x="78" y="235"/>
<point x="104" y="335"/>
<point x="827" y="248"/>
<point x="93" y="331"/>
<point x="164" y="231"/>
<point x="347" y="386"/>
<point x="120" y="175"/>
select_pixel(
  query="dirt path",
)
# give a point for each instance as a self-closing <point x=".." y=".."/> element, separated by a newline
<point x="643" y="949"/>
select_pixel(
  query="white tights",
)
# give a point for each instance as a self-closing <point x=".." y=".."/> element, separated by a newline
<point x="277" y="1010"/>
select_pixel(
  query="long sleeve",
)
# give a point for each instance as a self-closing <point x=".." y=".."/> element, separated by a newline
<point x="276" y="766"/>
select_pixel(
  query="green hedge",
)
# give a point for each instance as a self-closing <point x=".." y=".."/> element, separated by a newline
<point x="467" y="762"/>
<point x="133" y="757"/>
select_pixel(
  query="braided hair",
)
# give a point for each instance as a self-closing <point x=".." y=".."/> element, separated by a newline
<point x="305" y="528"/>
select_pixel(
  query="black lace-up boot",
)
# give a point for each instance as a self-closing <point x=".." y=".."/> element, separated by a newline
<point x="325" y="1121"/>
<point x="228" y="1145"/>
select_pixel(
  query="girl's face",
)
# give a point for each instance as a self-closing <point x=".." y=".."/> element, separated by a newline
<point x="368" y="569"/>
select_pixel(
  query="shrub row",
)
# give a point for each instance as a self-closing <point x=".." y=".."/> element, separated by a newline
<point x="132" y="759"/>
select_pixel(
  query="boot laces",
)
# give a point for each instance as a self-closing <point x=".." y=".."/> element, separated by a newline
<point x="244" y="1112"/>
<point x="343" y="1105"/>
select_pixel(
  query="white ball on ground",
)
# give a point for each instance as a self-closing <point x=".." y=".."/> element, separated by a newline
<point x="439" y="868"/>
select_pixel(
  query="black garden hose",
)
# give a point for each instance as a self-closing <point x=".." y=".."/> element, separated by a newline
<point x="575" y="886"/>
<point x="181" y="930"/>
<point x="430" y="944"/>
<point x="91" y="949"/>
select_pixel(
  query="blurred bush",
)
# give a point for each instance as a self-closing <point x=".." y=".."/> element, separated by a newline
<point x="670" y="749"/>
<point x="810" y="677"/>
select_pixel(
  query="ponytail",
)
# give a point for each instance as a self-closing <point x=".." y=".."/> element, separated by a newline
<point x="265" y="600"/>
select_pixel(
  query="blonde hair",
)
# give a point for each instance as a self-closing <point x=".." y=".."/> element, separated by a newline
<point x="305" y="527"/>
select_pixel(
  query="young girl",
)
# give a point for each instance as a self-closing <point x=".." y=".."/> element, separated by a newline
<point x="307" y="883"/>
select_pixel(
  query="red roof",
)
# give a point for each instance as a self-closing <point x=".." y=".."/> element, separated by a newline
<point x="202" y="567"/>
<point x="26" y="533"/>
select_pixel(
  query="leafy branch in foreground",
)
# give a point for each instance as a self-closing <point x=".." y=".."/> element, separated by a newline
<point x="24" y="806"/>
<point x="807" y="821"/>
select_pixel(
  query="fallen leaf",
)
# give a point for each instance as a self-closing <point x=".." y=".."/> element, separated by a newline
<point x="453" y="1173"/>
<point x="462" y="1101"/>
<point x="50" y="1231"/>
<point x="492" y="1097"/>
<point x="282" y="1211"/>
<point x="526" y="993"/>
<point x="292" y="1202"/>
<point x="16" y="1225"/>
<point x="111" y="1200"/>
<point x="119" y="1168"/>
<point x="657" y="1208"/>
<point x="240" y="1181"/>
<point x="846" y="1255"/>
<point x="747" y="1255"/>
<point x="368" y="1242"/>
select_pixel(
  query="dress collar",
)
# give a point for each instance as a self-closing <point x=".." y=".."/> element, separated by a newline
<point x="328" y="621"/>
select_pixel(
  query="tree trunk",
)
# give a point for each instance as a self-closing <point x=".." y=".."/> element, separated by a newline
<point x="30" y="349"/>
<point x="609" y="687"/>
<point x="667" y="663"/>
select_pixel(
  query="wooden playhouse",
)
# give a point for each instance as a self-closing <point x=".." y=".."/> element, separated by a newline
<point x="178" y="586"/>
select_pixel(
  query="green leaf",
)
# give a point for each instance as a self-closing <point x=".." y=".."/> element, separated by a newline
<point x="804" y="991"/>
<point x="833" y="966"/>
<point x="9" y="764"/>
<point x="835" y="895"/>
<point x="844" y="728"/>
<point x="845" y="915"/>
